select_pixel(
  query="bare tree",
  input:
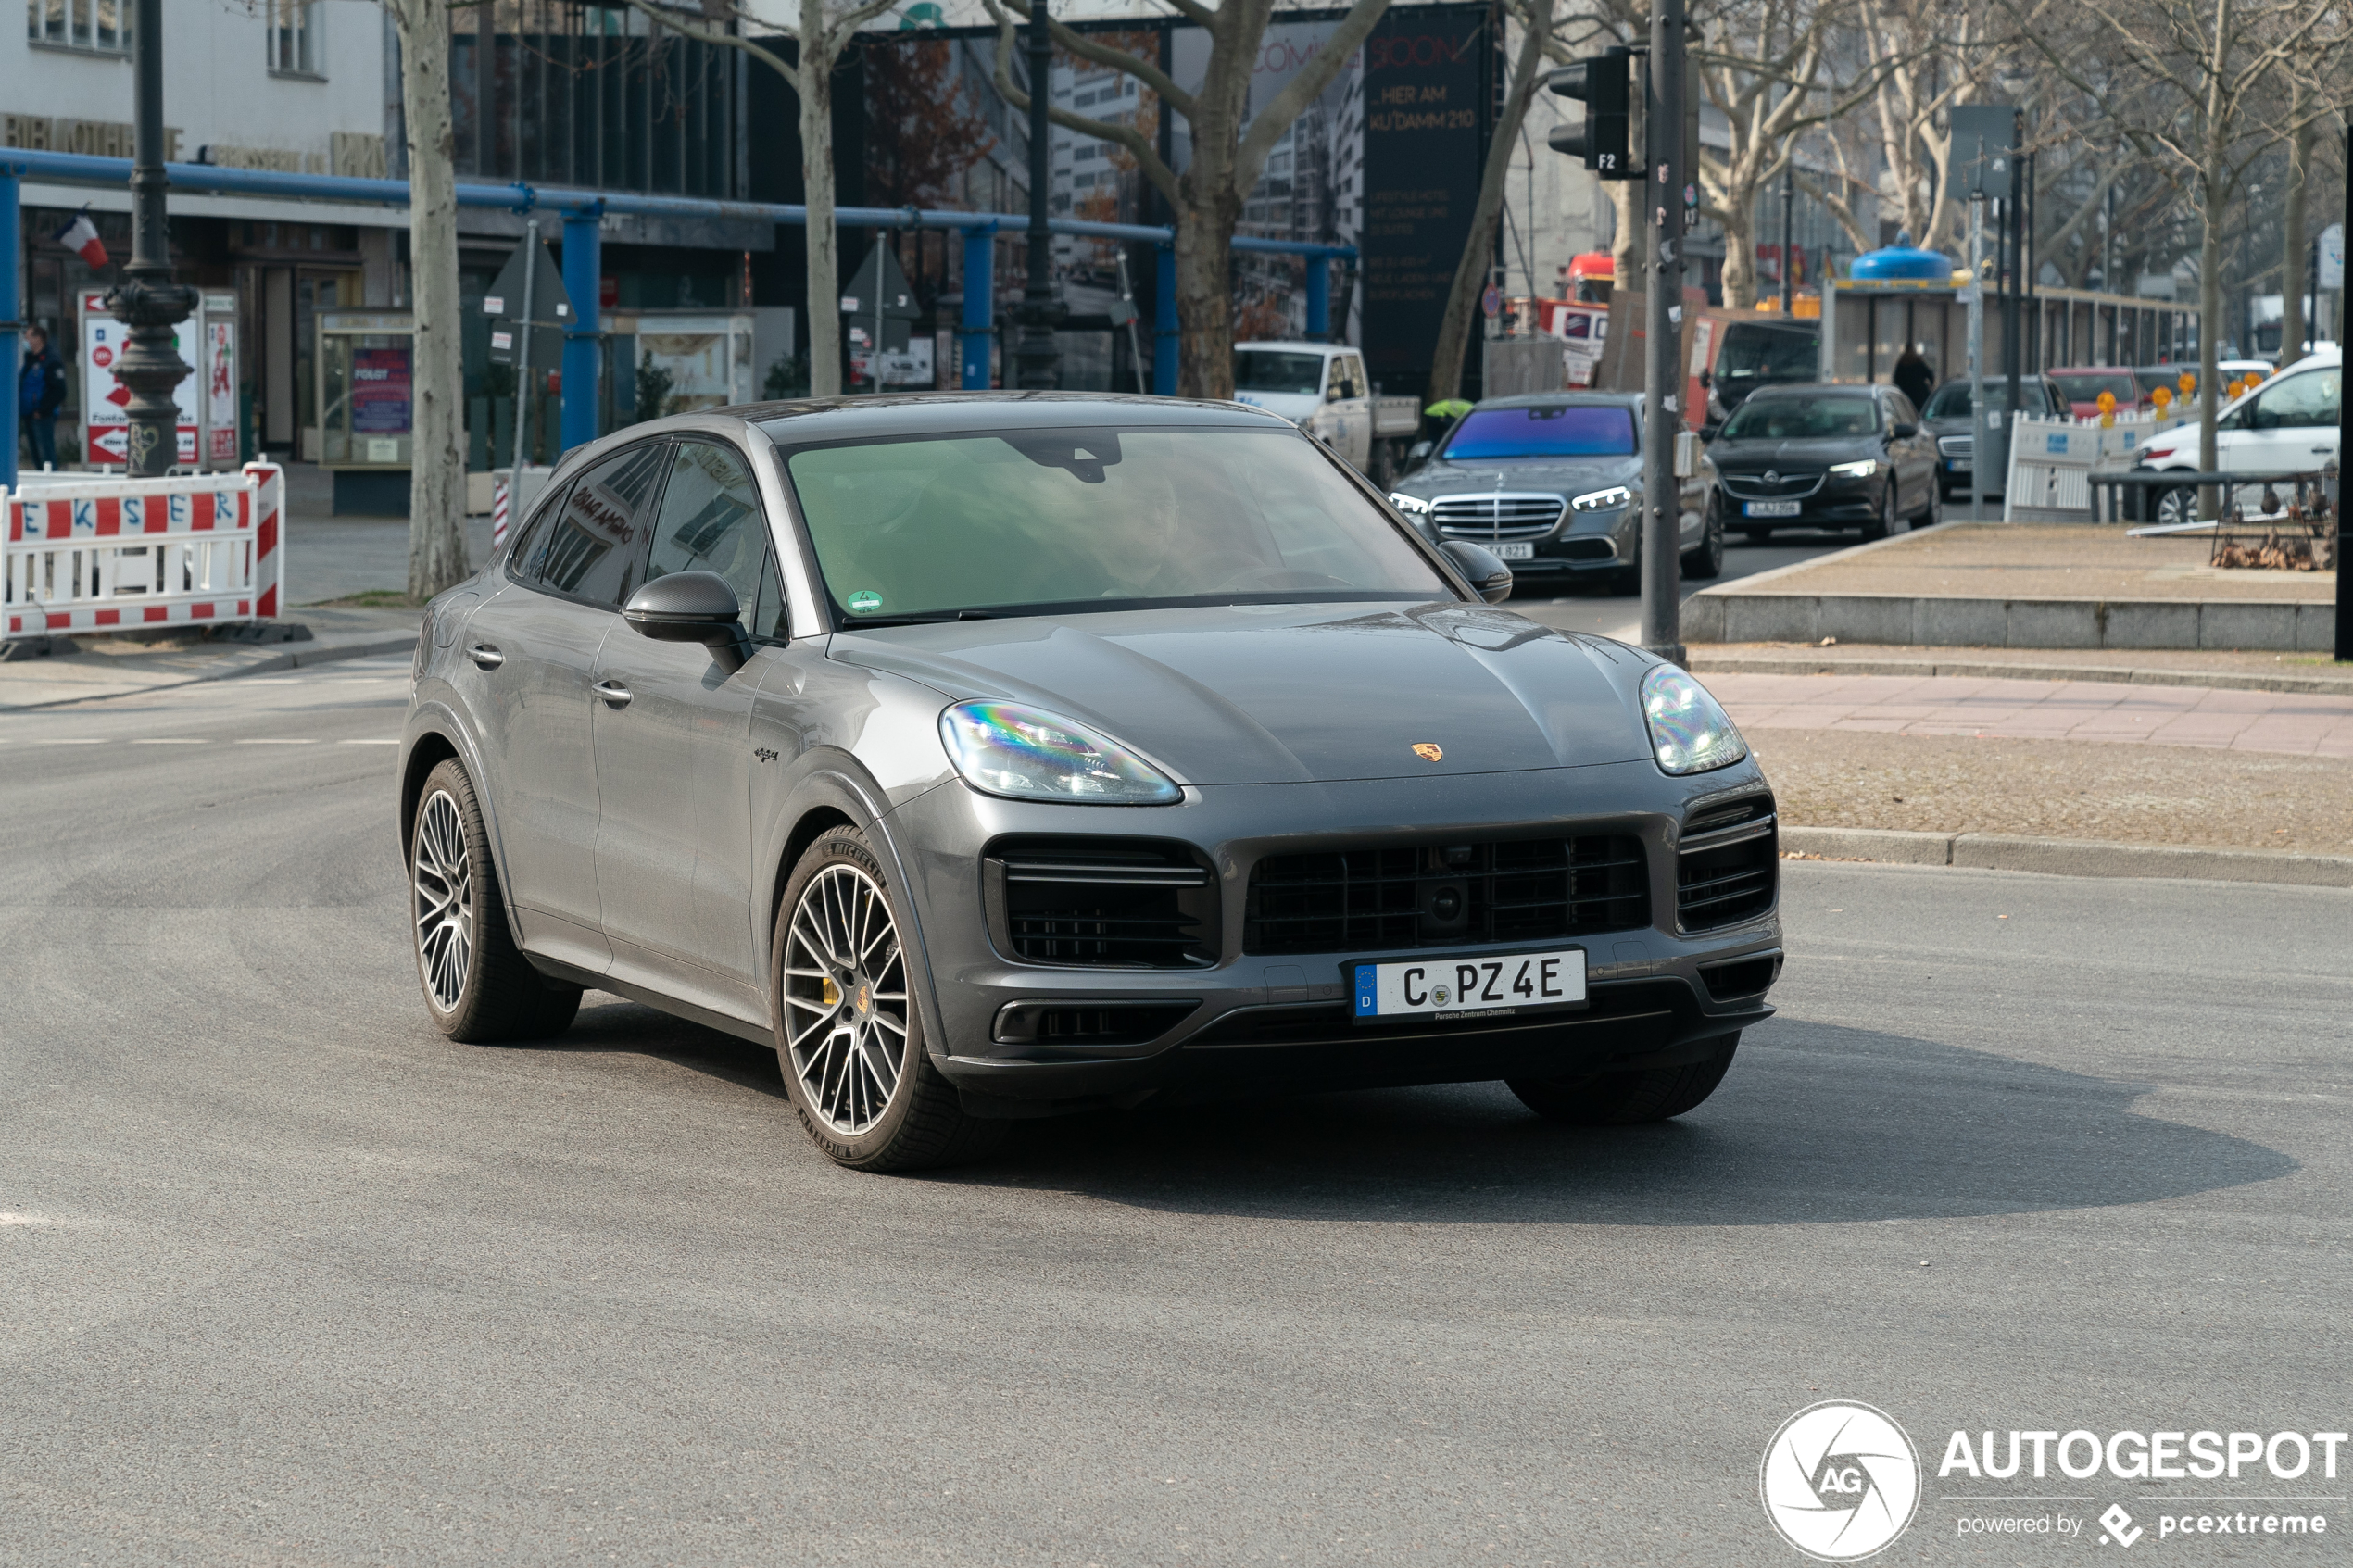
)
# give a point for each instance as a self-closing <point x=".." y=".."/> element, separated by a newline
<point x="1535" y="19"/>
<point x="436" y="377"/>
<point x="1227" y="159"/>
<point x="823" y="29"/>
<point x="2216" y="71"/>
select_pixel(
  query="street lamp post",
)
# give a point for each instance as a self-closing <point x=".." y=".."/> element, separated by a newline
<point x="1038" y="360"/>
<point x="1789" y="202"/>
<point x="146" y="301"/>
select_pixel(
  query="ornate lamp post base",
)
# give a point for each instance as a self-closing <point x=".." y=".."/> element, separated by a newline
<point x="151" y="366"/>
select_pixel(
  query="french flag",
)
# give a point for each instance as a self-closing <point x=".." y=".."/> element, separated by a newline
<point x="82" y="236"/>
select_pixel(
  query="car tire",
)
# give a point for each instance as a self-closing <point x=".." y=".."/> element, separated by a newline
<point x="478" y="985"/>
<point x="1705" y="562"/>
<point x="1625" y="582"/>
<point x="1623" y="1099"/>
<point x="849" y="1038"/>
<point x="2176" y="504"/>
<point x="1884" y="524"/>
<point x="1932" y="515"/>
<point x="1758" y="535"/>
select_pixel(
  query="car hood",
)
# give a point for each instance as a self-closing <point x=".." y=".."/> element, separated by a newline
<point x="1745" y="456"/>
<point x="1566" y="476"/>
<point x="1287" y="694"/>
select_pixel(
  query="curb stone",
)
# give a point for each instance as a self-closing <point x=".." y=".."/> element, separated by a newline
<point x="2068" y="857"/>
<point x="2216" y="680"/>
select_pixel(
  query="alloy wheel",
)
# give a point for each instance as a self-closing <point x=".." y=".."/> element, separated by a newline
<point x="444" y="891"/>
<point x="845" y="999"/>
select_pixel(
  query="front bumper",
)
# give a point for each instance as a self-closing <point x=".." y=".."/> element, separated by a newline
<point x="1838" y="503"/>
<point x="1592" y="542"/>
<point x="1284" y="1020"/>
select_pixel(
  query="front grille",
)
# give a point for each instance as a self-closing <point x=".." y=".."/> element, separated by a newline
<point x="1729" y="863"/>
<point x="1099" y="903"/>
<point x="1784" y="486"/>
<point x="1954" y="445"/>
<point x="1497" y="515"/>
<point x="1428" y="896"/>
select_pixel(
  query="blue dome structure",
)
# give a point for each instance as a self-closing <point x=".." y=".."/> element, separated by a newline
<point x="1902" y="264"/>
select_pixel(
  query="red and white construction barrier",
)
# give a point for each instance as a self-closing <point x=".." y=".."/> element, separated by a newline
<point x="103" y="553"/>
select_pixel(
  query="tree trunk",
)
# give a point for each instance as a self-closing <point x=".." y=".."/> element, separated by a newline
<point x="1628" y="251"/>
<point x="2293" y="238"/>
<point x="1739" y="223"/>
<point x="437" y="464"/>
<point x="1205" y="295"/>
<point x="1470" y="272"/>
<point x="815" y="81"/>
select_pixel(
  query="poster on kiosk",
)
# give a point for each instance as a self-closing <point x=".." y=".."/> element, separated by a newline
<point x="207" y="399"/>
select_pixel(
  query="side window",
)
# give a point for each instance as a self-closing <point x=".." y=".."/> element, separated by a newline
<point x="531" y="538"/>
<point x="595" y="546"/>
<point x="2312" y="399"/>
<point x="710" y="520"/>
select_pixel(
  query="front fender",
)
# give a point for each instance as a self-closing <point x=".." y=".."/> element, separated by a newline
<point x="432" y="721"/>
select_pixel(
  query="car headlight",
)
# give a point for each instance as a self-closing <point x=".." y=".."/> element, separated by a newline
<point x="1863" y="470"/>
<point x="1689" y="733"/>
<point x="1006" y="748"/>
<point x="1412" y="506"/>
<point x="1601" y="500"/>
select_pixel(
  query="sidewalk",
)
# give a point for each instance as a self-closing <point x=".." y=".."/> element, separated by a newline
<point x="2222" y="669"/>
<point x="117" y="667"/>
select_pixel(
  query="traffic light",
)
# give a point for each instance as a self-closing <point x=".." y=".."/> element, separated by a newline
<point x="1605" y="84"/>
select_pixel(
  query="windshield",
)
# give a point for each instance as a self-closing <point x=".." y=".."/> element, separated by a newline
<point x="1266" y="369"/>
<point x="1803" y="419"/>
<point x="2087" y="389"/>
<point x="1952" y="399"/>
<point x="1097" y="518"/>
<point x="1751" y="351"/>
<point x="1586" y="430"/>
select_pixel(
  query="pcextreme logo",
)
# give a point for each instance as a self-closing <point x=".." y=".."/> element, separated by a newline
<point x="1840" y="1480"/>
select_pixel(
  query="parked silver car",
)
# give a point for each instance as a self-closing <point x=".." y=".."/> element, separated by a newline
<point x="997" y="754"/>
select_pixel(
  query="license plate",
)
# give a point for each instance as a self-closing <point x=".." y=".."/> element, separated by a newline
<point x="1489" y="988"/>
<point x="1770" y="508"/>
<point x="1515" y="552"/>
<point x="1957" y="465"/>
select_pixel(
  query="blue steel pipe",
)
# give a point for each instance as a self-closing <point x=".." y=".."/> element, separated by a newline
<point x="980" y="302"/>
<point x="584" y="355"/>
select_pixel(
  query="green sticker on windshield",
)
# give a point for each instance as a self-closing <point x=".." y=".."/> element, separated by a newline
<point x="864" y="602"/>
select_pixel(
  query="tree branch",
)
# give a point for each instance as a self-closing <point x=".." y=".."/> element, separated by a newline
<point x="1147" y="157"/>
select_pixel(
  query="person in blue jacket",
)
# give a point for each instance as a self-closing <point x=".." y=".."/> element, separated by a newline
<point x="41" y="390"/>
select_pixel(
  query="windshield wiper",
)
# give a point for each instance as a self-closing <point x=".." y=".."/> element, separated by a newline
<point x="932" y="619"/>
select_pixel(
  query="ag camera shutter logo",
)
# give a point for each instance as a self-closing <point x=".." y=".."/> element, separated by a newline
<point x="1840" y="1480"/>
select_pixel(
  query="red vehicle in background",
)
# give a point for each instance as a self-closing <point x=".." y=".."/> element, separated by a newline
<point x="2083" y="385"/>
<point x="1591" y="277"/>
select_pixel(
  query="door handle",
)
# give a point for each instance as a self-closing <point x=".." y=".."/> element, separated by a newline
<point x="486" y="656"/>
<point x="613" y="692"/>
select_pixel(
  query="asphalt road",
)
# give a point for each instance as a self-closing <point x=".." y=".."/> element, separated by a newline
<point x="287" y="1278"/>
<point x="1588" y="607"/>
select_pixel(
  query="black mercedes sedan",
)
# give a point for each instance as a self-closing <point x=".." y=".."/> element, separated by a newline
<point x="1551" y="483"/>
<point x="1827" y="456"/>
<point x="992" y="756"/>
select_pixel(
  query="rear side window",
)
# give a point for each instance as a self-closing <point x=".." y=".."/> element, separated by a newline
<point x="519" y="549"/>
<point x="594" y="547"/>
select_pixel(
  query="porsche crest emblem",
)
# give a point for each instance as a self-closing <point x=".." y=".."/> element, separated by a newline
<point x="1427" y="752"/>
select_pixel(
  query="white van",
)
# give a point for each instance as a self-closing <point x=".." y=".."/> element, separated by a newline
<point x="1321" y="388"/>
<point x="2286" y="424"/>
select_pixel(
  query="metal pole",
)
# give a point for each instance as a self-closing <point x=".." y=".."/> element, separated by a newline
<point x="1040" y="361"/>
<point x="1135" y="348"/>
<point x="584" y="347"/>
<point x="2344" y="428"/>
<point x="1789" y="204"/>
<point x="148" y="302"/>
<point x="11" y="295"/>
<point x="1977" y="441"/>
<point x="980" y="290"/>
<point x="522" y="366"/>
<point x="1662" y="497"/>
<point x="2013" y="321"/>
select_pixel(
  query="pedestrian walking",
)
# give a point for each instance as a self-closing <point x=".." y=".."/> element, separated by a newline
<point x="1914" y="376"/>
<point x="41" y="390"/>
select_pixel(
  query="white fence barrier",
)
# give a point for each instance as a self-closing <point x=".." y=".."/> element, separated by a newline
<point x="2053" y="458"/>
<point x="103" y="553"/>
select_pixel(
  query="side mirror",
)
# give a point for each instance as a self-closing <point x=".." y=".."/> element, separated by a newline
<point x="1709" y="431"/>
<point x="1334" y="393"/>
<point x="1418" y="451"/>
<point x="1903" y="430"/>
<point x="691" y="607"/>
<point x="1488" y="574"/>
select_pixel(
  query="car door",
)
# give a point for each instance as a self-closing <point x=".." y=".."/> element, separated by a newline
<point x="534" y="647"/>
<point x="1357" y="435"/>
<point x="2289" y="427"/>
<point x="673" y="750"/>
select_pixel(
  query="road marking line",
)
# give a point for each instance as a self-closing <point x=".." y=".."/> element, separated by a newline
<point x="394" y="741"/>
<point x="169" y="740"/>
<point x="277" y="743"/>
<point x="72" y="740"/>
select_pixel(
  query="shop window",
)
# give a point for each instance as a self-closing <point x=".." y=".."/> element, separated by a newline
<point x="294" y="38"/>
<point x="102" y="27"/>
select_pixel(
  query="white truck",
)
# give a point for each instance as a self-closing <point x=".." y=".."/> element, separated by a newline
<point x="1322" y="388"/>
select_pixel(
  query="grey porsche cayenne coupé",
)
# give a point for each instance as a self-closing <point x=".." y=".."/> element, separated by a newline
<point x="993" y="756"/>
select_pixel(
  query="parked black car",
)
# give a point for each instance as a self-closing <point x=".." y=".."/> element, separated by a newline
<point x="1947" y="419"/>
<point x="1825" y="457"/>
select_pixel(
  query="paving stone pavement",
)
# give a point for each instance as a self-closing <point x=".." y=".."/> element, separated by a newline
<point x="2303" y="724"/>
